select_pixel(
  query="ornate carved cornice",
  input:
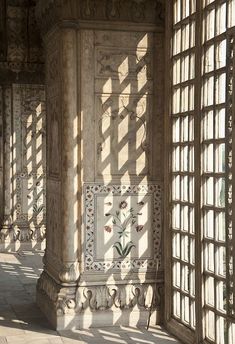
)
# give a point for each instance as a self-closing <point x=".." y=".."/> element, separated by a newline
<point x="52" y="12"/>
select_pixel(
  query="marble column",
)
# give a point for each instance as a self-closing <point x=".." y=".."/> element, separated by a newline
<point x="104" y="181"/>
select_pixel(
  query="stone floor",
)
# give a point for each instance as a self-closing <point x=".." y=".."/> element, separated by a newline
<point x="21" y="322"/>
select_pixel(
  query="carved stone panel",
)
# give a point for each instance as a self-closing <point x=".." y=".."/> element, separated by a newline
<point x="123" y="104"/>
<point x="53" y="80"/>
<point x="29" y="129"/>
<point x="123" y="135"/>
<point x="24" y="43"/>
<point x="54" y="219"/>
<point x="120" y="64"/>
<point x="7" y="114"/>
<point x="24" y="162"/>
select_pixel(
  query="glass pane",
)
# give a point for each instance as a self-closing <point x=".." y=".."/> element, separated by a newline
<point x="220" y="54"/>
<point x="176" y="274"/>
<point x="220" y="192"/>
<point x="185" y="308"/>
<point x="176" y="304"/>
<point x="221" y="19"/>
<point x="221" y="296"/>
<point x="210" y="291"/>
<point x="220" y="88"/>
<point x="208" y="91"/>
<point x="208" y="61"/>
<point x="176" y="130"/>
<point x="221" y="330"/>
<point x="220" y="158"/>
<point x="208" y="126"/>
<point x="209" y="257"/>
<point x="184" y="248"/>
<point x="220" y="226"/>
<point x="209" y="224"/>
<point x="176" y="245"/>
<point x="210" y="24"/>
<point x="210" y="325"/>
<point x="220" y="124"/>
<point x="231" y="13"/>
<point x="176" y="216"/>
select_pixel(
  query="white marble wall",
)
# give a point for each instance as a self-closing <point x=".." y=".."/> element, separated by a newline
<point x="122" y="194"/>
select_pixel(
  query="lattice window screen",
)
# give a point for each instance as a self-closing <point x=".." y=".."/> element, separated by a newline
<point x="202" y="152"/>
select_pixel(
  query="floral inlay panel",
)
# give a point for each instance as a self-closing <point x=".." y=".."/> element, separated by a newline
<point x="122" y="226"/>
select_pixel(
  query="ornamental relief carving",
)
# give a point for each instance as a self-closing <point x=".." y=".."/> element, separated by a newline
<point x="54" y="218"/>
<point x="88" y="8"/>
<point x="123" y="103"/>
<point x="54" y="148"/>
<point x="113" y="9"/>
<point x="100" y="298"/>
<point x="53" y="73"/>
<point x="123" y="64"/>
<point x="23" y="38"/>
<point x="71" y="300"/>
<point x="123" y="119"/>
<point x="136" y="11"/>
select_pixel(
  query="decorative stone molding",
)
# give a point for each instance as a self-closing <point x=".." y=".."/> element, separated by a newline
<point x="115" y="296"/>
<point x="52" y="12"/>
<point x="48" y="286"/>
<point x="22" y="235"/>
<point x="63" y="299"/>
<point x="69" y="273"/>
<point x="19" y="67"/>
<point x="66" y="300"/>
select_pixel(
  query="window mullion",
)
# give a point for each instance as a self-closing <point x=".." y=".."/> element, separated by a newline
<point x="197" y="164"/>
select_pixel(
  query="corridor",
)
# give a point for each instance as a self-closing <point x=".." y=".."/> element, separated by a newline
<point x="21" y="321"/>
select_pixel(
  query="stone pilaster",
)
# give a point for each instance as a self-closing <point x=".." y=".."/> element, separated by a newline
<point x="103" y="180"/>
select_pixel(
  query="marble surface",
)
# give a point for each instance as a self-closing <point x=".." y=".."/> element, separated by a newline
<point x="21" y="322"/>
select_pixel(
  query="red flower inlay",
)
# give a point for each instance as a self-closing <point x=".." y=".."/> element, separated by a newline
<point x="108" y="229"/>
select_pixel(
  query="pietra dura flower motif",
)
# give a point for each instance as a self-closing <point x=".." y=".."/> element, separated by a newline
<point x="124" y="219"/>
<point x="101" y="203"/>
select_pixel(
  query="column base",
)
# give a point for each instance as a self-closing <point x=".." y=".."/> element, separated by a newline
<point x="69" y="307"/>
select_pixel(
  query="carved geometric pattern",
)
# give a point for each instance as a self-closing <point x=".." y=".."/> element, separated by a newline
<point x="91" y="192"/>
